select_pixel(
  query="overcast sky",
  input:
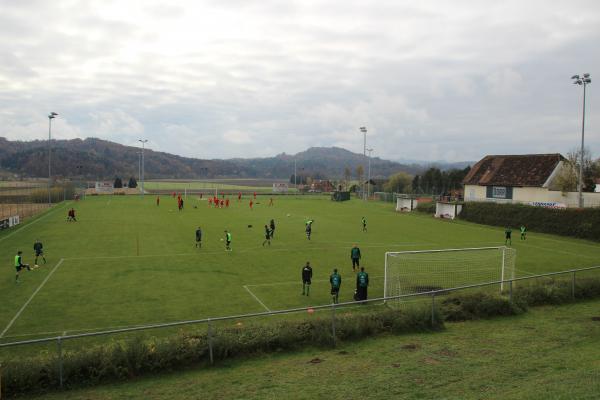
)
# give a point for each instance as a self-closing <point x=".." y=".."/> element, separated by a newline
<point x="431" y="80"/>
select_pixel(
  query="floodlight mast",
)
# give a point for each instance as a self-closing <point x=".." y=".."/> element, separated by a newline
<point x="51" y="116"/>
<point x="364" y="131"/>
<point x="582" y="81"/>
<point x="143" y="141"/>
<point x="369" y="174"/>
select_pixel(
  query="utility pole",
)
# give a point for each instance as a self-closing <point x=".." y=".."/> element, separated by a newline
<point x="364" y="131"/>
<point x="583" y="81"/>
<point x="51" y="116"/>
<point x="144" y="141"/>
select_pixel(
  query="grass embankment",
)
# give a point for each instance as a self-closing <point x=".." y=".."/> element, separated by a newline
<point x="548" y="353"/>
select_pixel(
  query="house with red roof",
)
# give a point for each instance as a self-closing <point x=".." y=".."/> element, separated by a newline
<point x="527" y="179"/>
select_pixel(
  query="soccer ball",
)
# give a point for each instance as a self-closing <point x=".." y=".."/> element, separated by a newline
<point x="221" y="239"/>
<point x="288" y="215"/>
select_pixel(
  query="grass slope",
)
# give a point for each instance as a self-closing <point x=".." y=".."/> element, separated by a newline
<point x="548" y="353"/>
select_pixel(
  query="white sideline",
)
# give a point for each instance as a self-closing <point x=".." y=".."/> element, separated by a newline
<point x="251" y="294"/>
<point x="31" y="298"/>
<point x="31" y="223"/>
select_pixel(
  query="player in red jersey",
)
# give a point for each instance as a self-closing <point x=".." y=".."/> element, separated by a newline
<point x="251" y="204"/>
<point x="226" y="203"/>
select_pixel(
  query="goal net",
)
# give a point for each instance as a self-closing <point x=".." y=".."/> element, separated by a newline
<point x="408" y="272"/>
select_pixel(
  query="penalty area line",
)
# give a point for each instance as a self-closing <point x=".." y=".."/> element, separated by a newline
<point x="255" y="298"/>
<point x="10" y="324"/>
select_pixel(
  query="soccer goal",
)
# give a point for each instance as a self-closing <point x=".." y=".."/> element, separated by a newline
<point x="418" y="271"/>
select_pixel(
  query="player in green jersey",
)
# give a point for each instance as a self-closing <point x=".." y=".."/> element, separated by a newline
<point x="227" y="241"/>
<point x="523" y="232"/>
<point x="336" y="281"/>
<point x="19" y="265"/>
<point x="364" y="224"/>
<point x="355" y="257"/>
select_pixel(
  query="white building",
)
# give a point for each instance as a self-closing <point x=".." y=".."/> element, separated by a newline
<point x="527" y="179"/>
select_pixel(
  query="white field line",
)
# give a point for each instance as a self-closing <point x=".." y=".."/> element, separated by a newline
<point x="31" y="298"/>
<point x="256" y="298"/>
<point x="31" y="223"/>
<point x="258" y="248"/>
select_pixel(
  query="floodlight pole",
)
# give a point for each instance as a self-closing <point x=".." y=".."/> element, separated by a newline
<point x="139" y="153"/>
<point x="143" y="141"/>
<point x="369" y="174"/>
<point x="582" y="81"/>
<point x="51" y="116"/>
<point x="364" y="131"/>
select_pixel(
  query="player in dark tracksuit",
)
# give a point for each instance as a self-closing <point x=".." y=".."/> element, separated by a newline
<point x="268" y="234"/>
<point x="362" y="283"/>
<point x="272" y="226"/>
<point x="306" y="279"/>
<point x="199" y="238"/>
<point x="38" y="247"/>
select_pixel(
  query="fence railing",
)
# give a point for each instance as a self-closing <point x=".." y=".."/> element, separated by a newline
<point x="332" y="307"/>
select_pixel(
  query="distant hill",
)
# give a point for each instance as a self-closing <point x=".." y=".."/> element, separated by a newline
<point x="100" y="159"/>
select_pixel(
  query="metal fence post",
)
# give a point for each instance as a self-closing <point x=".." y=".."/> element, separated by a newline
<point x="510" y="290"/>
<point x="60" y="361"/>
<point x="432" y="309"/>
<point x="573" y="286"/>
<point x="210" y="343"/>
<point x="333" y="323"/>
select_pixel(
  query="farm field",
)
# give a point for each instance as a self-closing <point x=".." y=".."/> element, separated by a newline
<point x="547" y="353"/>
<point x="128" y="262"/>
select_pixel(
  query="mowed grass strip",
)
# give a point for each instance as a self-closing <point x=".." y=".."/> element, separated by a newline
<point x="129" y="262"/>
<point x="547" y="353"/>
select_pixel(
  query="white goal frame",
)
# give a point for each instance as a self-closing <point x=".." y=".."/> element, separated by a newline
<point x="503" y="266"/>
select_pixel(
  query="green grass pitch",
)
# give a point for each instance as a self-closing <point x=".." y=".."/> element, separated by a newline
<point x="128" y="262"/>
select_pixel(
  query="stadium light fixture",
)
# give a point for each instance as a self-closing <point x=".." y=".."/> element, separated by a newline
<point x="582" y="81"/>
<point x="143" y="141"/>
<point x="51" y="116"/>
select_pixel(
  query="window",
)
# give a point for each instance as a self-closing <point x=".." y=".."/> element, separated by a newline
<point x="499" y="192"/>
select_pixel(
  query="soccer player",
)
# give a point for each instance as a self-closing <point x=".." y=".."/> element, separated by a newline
<point x="222" y="203"/>
<point x="308" y="230"/>
<point x="199" y="238"/>
<point x="267" y="235"/>
<point x="239" y="196"/>
<point x="157" y="201"/>
<point x="210" y="201"/>
<point x="336" y="281"/>
<point x="19" y="265"/>
<point x="254" y="195"/>
<point x="272" y="226"/>
<point x="364" y="224"/>
<point x="362" y="283"/>
<point x="270" y="201"/>
<point x="306" y="278"/>
<point x="507" y="236"/>
<point x="71" y="215"/>
<point x="355" y="256"/>
<point x="251" y="203"/>
<point x="227" y="241"/>
<point x="38" y="247"/>
<point x="227" y="203"/>
<point x="523" y="232"/>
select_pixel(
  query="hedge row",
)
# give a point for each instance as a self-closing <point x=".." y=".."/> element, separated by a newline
<point x="428" y="207"/>
<point x="121" y="360"/>
<point x="581" y="223"/>
<point x="125" y="359"/>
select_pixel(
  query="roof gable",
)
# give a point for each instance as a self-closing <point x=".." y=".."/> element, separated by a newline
<point x="513" y="170"/>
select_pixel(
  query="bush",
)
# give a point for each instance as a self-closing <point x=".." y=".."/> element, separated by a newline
<point x="119" y="360"/>
<point x="581" y="223"/>
<point x="462" y="307"/>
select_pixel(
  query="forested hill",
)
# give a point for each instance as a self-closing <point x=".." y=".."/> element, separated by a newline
<point x="100" y="159"/>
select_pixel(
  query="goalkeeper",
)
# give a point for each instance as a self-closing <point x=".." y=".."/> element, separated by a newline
<point x="507" y="236"/>
<point x="336" y="281"/>
<point x="306" y="279"/>
<point x="355" y="257"/>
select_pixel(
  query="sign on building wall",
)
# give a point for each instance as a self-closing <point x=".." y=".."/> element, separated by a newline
<point x="499" y="192"/>
<point x="547" y="204"/>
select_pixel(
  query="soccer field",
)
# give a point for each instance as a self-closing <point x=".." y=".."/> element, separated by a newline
<point x="128" y="262"/>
